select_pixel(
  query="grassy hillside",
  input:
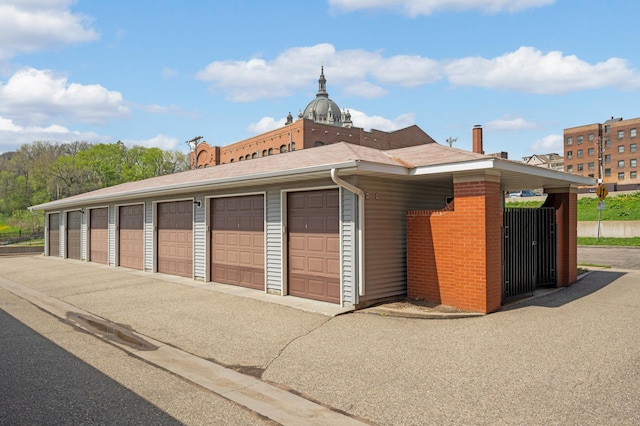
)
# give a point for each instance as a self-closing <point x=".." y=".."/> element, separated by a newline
<point x="620" y="207"/>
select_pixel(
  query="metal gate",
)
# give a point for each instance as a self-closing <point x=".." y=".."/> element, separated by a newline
<point x="528" y="250"/>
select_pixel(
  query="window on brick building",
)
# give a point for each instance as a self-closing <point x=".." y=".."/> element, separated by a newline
<point x="569" y="155"/>
<point x="254" y="155"/>
<point x="591" y="166"/>
<point x="580" y="139"/>
<point x="318" y="143"/>
<point x="579" y="152"/>
<point x="607" y="144"/>
<point x="607" y="172"/>
<point x="270" y="151"/>
<point x="620" y="134"/>
<point x="265" y="152"/>
<point x="569" y="140"/>
<point x="590" y="151"/>
<point x="632" y="133"/>
<point x="633" y="175"/>
<point x="620" y="149"/>
<point x="247" y="157"/>
<point x="620" y="164"/>
<point x="292" y="146"/>
<point x="569" y="169"/>
<point x="633" y="163"/>
<point x="633" y="147"/>
<point x="607" y="128"/>
<point x="241" y="159"/>
<point x="231" y="161"/>
<point x="580" y="167"/>
<point x="283" y="148"/>
<point x="621" y="176"/>
<point x="607" y="158"/>
<point x="590" y="137"/>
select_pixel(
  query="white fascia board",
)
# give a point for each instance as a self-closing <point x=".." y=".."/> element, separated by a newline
<point x="195" y="186"/>
<point x="387" y="169"/>
<point x="468" y="166"/>
<point x="510" y="166"/>
<point x="502" y="166"/>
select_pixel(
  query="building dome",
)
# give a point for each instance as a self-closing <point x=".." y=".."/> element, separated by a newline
<point x="322" y="109"/>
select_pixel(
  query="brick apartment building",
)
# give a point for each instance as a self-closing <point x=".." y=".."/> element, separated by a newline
<point x="607" y="151"/>
<point x="321" y="123"/>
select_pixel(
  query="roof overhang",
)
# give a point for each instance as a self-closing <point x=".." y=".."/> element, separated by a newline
<point x="513" y="175"/>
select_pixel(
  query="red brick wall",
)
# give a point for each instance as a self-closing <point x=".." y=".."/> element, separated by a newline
<point x="454" y="256"/>
<point x="566" y="206"/>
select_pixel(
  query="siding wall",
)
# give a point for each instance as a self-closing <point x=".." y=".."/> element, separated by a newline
<point x="385" y="230"/>
<point x="148" y="236"/>
<point x="200" y="239"/>
<point x="349" y="252"/>
<point x="84" y="220"/>
<point x="113" y="241"/>
<point x="273" y="243"/>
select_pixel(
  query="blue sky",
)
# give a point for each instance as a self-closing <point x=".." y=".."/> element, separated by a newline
<point x="160" y="72"/>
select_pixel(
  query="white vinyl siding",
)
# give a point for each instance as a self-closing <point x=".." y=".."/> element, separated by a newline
<point x="385" y="226"/>
<point x="148" y="236"/>
<point x="273" y="241"/>
<point x="200" y="239"/>
<point x="349" y="244"/>
<point x="112" y="235"/>
<point x="83" y="235"/>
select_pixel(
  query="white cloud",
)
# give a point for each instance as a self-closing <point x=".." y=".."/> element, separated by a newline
<point x="360" y="119"/>
<point x="365" y="74"/>
<point x="12" y="135"/>
<point x="529" y="70"/>
<point x="35" y="97"/>
<point x="32" y="25"/>
<point x="510" y="124"/>
<point x="265" y="124"/>
<point x="159" y="141"/>
<point x="548" y="144"/>
<point x="428" y="7"/>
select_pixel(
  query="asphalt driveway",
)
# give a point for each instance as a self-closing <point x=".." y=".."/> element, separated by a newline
<point x="570" y="357"/>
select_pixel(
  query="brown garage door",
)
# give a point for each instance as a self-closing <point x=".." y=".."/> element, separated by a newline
<point x="314" y="245"/>
<point x="74" y="222"/>
<point x="99" y="235"/>
<point x="175" y="238"/>
<point x="131" y="236"/>
<point x="237" y="241"/>
<point x="54" y="234"/>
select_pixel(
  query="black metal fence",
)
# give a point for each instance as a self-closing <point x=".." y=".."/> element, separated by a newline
<point x="529" y="247"/>
<point x="21" y="236"/>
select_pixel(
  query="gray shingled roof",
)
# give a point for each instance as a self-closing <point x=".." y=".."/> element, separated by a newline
<point x="349" y="158"/>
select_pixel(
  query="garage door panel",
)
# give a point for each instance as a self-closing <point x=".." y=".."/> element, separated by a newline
<point x="99" y="235"/>
<point x="175" y="238"/>
<point x="131" y="236"/>
<point x="238" y="240"/>
<point x="74" y="223"/>
<point x="54" y="234"/>
<point x="314" y="245"/>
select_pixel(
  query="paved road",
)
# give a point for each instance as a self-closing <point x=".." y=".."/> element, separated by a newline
<point x="616" y="257"/>
<point x="42" y="384"/>
<point x="571" y="357"/>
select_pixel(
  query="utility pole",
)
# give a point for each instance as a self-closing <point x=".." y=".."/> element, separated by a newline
<point x="193" y="146"/>
<point x="451" y="140"/>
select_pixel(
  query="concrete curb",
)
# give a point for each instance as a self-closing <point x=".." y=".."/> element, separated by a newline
<point x="270" y="401"/>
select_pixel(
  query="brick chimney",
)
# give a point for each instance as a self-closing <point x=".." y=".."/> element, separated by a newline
<point x="477" y="139"/>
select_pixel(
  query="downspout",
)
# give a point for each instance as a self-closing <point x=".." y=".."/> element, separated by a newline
<point x="361" y="197"/>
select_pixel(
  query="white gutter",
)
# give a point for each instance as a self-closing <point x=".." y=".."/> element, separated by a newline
<point x="361" y="197"/>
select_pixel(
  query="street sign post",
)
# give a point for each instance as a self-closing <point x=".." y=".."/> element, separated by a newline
<point x="602" y="193"/>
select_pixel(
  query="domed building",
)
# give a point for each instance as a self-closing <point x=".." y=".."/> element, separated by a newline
<point x="322" y="122"/>
<point x="323" y="110"/>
